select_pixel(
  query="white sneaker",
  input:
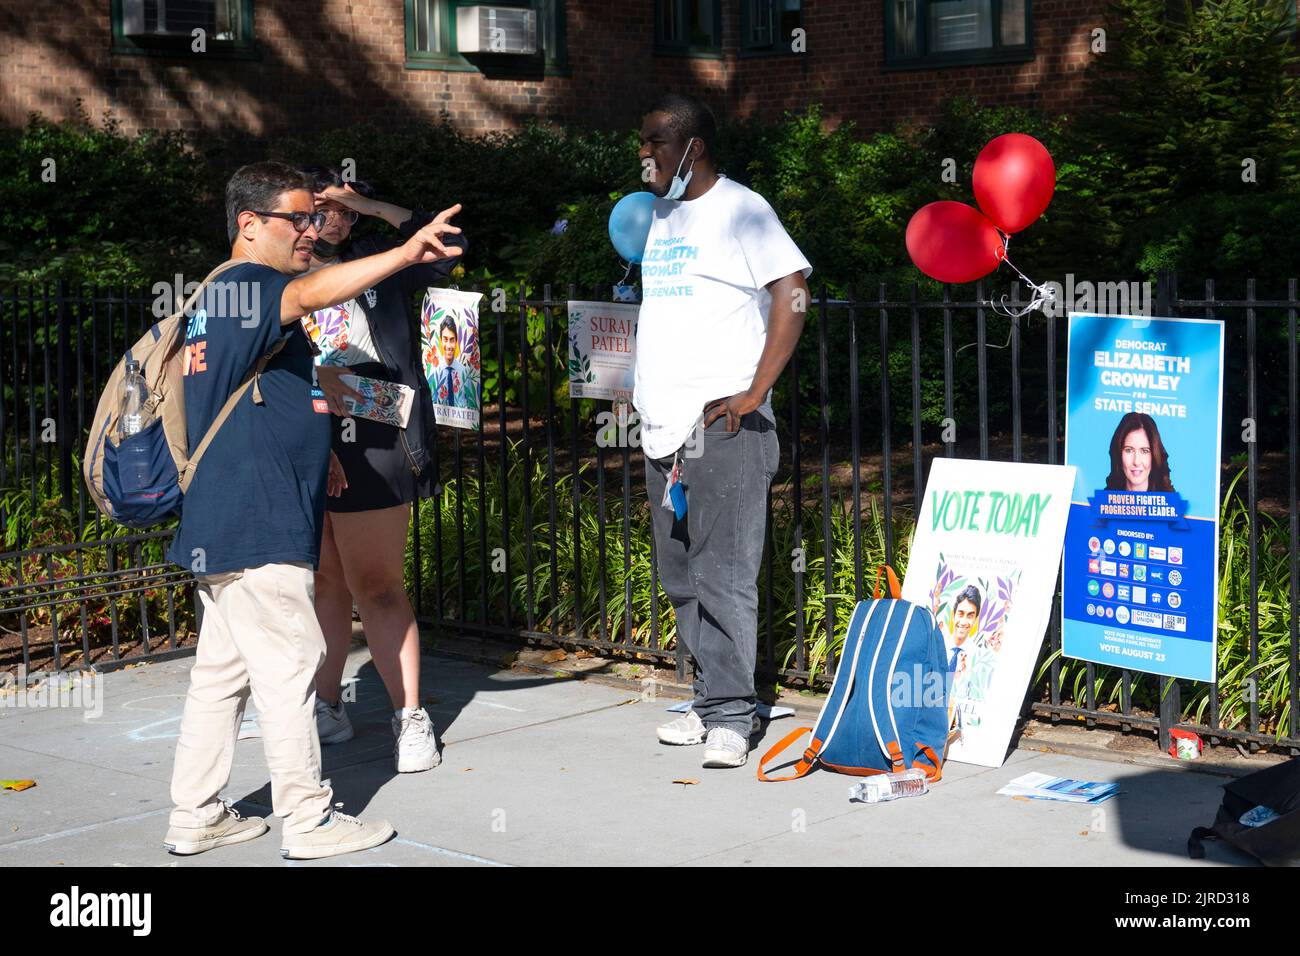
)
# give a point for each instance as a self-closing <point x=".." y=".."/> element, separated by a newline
<point x="332" y="723"/>
<point x="725" y="748"/>
<point x="417" y="744"/>
<point x="685" y="731"/>
<point x="337" y="834"/>
<point x="689" y="729"/>
<point x="230" y="827"/>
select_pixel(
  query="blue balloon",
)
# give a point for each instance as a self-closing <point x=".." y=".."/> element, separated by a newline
<point x="629" y="224"/>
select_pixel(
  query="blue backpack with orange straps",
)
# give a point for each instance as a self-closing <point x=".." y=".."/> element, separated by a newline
<point x="888" y="706"/>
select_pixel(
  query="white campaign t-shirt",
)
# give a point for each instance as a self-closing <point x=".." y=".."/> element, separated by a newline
<point x="703" y="318"/>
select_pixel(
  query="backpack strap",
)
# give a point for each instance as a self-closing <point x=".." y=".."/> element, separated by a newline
<point x="895" y="589"/>
<point x="933" y="769"/>
<point x="176" y="346"/>
<point x="1196" y="842"/>
<point x="251" y="381"/>
<point x="805" y="764"/>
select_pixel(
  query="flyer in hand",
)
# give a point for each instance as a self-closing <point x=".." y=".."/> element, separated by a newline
<point x="388" y="402"/>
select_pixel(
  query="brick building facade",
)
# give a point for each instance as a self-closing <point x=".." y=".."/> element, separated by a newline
<point x="270" y="66"/>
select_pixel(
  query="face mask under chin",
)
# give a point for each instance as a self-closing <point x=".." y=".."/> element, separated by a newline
<point x="678" y="188"/>
<point x="327" y="250"/>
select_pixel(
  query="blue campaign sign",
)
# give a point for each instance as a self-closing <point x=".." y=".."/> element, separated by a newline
<point x="1144" y="416"/>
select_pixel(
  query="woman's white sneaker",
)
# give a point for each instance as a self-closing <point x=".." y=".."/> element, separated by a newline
<point x="337" y="834"/>
<point x="416" y="748"/>
<point x="333" y="725"/>
<point x="231" y="827"/>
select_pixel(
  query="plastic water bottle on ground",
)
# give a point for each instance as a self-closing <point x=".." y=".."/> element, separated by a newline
<point x="133" y="418"/>
<point x="882" y="787"/>
<point x="1258" y="816"/>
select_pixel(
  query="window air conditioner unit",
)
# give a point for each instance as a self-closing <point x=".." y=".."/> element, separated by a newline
<point x="144" y="18"/>
<point x="496" y="30"/>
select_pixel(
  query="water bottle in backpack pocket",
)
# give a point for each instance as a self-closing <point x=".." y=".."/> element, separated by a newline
<point x="139" y="472"/>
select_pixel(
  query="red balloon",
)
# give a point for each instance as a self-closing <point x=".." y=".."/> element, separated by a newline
<point x="1014" y="180"/>
<point x="952" y="242"/>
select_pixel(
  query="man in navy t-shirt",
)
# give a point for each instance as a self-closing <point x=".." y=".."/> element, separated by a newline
<point x="259" y="493"/>
<point x="251" y="521"/>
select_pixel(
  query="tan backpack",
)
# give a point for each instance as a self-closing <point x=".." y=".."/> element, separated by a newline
<point x="164" y="442"/>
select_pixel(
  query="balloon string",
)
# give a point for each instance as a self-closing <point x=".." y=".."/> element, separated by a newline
<point x="1042" y="294"/>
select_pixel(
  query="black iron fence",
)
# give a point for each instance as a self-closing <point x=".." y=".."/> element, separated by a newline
<point x="540" y="529"/>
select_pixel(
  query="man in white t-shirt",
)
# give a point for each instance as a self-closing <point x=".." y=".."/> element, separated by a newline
<point x="722" y="310"/>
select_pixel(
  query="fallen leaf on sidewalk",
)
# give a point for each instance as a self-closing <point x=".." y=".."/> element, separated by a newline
<point x="17" y="784"/>
<point x="687" y="780"/>
<point x="550" y="657"/>
<point x="1026" y="799"/>
<point x="584" y="655"/>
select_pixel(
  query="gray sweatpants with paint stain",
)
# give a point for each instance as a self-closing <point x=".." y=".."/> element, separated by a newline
<point x="708" y="562"/>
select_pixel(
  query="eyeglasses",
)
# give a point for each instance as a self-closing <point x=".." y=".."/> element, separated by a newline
<point x="350" y="216"/>
<point x="299" y="220"/>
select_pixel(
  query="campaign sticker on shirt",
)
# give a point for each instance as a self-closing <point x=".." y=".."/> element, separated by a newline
<point x="318" y="402"/>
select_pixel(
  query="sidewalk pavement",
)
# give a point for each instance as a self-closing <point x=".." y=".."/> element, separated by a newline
<point x="540" y="770"/>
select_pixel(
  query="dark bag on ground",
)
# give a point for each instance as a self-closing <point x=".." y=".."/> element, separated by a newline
<point x="1275" y="843"/>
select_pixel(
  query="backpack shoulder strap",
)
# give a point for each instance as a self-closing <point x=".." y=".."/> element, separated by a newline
<point x="1196" y="842"/>
<point x="224" y="267"/>
<point x="250" y="381"/>
<point x="895" y="590"/>
<point x="805" y="764"/>
<point x="174" y="347"/>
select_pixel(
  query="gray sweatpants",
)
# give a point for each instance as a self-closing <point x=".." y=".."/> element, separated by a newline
<point x="708" y="562"/>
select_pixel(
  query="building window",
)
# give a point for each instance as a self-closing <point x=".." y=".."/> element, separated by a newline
<point x="766" y="26"/>
<point x="688" y="26"/>
<point x="170" y="27"/>
<point x="431" y="38"/>
<point x="426" y="22"/>
<point x="943" y="32"/>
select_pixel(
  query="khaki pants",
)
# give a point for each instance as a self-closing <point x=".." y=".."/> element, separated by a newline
<point x="259" y="633"/>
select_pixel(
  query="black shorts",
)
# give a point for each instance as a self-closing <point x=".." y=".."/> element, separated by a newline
<point x="377" y="465"/>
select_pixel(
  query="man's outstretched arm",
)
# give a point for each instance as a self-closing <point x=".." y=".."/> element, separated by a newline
<point x="338" y="283"/>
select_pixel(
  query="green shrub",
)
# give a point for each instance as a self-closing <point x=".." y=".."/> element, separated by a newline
<point x="120" y="209"/>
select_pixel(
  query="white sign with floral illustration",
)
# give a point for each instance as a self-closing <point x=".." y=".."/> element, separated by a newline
<point x="985" y="559"/>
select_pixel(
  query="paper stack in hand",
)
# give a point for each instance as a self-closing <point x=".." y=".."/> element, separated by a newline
<point x="388" y="402"/>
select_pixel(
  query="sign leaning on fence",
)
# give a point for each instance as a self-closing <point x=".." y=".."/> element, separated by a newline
<point x="450" y="353"/>
<point x="602" y="350"/>
<point x="1144" y="415"/>
<point x="984" y="560"/>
